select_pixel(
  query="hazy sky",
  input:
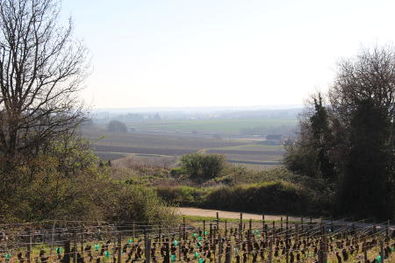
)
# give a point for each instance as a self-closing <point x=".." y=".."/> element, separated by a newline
<point x="188" y="53"/>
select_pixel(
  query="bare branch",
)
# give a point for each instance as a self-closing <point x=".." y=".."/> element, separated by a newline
<point x="41" y="69"/>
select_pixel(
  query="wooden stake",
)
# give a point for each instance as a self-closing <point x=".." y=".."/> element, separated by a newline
<point x="134" y="230"/>
<point x="286" y="223"/>
<point x="119" y="247"/>
<point x="217" y="221"/>
<point x="263" y="223"/>
<point x="167" y="255"/>
<point x="211" y="232"/>
<point x="160" y="233"/>
<point x="82" y="242"/>
<point x="183" y="229"/>
<point x="147" y="251"/>
<point x="241" y="227"/>
<point x="29" y="246"/>
<point x="66" y="251"/>
<point x="75" y="247"/>
<point x="271" y="250"/>
<point x="382" y="251"/>
<point x="228" y="256"/>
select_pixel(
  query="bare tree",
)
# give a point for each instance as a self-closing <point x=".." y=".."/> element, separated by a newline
<point x="369" y="76"/>
<point x="41" y="69"/>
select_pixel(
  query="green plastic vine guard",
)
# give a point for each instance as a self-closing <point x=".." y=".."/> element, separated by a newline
<point x="97" y="247"/>
<point x="130" y="241"/>
<point x="107" y="254"/>
<point x="59" y="250"/>
<point x="7" y="256"/>
<point x="206" y="232"/>
<point x="201" y="260"/>
<point x="175" y="243"/>
<point x="200" y="238"/>
<point x="194" y="235"/>
<point x="173" y="258"/>
<point x="378" y="259"/>
<point x="196" y="255"/>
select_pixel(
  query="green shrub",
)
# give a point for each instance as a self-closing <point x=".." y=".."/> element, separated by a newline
<point x="177" y="171"/>
<point x="271" y="197"/>
<point x="76" y="188"/>
<point x="202" y="167"/>
<point x="136" y="203"/>
<point x="182" y="195"/>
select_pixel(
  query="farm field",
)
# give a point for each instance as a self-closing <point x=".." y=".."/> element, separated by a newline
<point x="249" y="152"/>
<point x="221" y="127"/>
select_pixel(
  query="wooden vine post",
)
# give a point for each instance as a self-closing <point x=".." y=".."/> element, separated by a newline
<point x="281" y="224"/>
<point x="211" y="232"/>
<point x="217" y="215"/>
<point x="29" y="246"/>
<point x="382" y="251"/>
<point x="220" y="250"/>
<point x="263" y="223"/>
<point x="241" y="227"/>
<point x="160" y="232"/>
<point x="75" y="246"/>
<point x="204" y="228"/>
<point x="119" y="247"/>
<point x="228" y="256"/>
<point x="365" y="252"/>
<point x="167" y="254"/>
<point x="82" y="241"/>
<point x="271" y="249"/>
<point x="66" y="257"/>
<point x="147" y="251"/>
<point x="134" y="230"/>
<point x="286" y="223"/>
<point x="226" y="228"/>
<point x="184" y="235"/>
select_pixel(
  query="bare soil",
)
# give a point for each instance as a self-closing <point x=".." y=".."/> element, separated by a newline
<point x="191" y="211"/>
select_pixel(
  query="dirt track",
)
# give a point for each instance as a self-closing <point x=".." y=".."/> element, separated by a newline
<point x="190" y="211"/>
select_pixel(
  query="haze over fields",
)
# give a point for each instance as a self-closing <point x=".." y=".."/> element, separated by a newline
<point x="248" y="136"/>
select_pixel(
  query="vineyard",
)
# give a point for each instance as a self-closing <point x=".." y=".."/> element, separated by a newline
<point x="206" y="241"/>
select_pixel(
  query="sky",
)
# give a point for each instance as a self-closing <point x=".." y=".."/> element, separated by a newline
<point x="224" y="53"/>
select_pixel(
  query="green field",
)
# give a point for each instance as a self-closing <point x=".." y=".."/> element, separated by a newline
<point x="219" y="126"/>
<point x="176" y="138"/>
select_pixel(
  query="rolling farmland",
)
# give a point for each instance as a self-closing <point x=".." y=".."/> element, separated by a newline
<point x="247" y="151"/>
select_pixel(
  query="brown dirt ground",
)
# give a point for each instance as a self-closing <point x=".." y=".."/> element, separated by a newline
<point x="190" y="211"/>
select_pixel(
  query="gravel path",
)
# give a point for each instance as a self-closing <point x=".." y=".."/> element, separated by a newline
<point x="190" y="211"/>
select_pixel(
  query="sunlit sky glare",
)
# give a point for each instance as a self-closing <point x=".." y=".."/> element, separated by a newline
<point x="202" y="53"/>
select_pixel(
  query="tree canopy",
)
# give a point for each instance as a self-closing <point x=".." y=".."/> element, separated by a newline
<point x="117" y="126"/>
<point x="350" y="140"/>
